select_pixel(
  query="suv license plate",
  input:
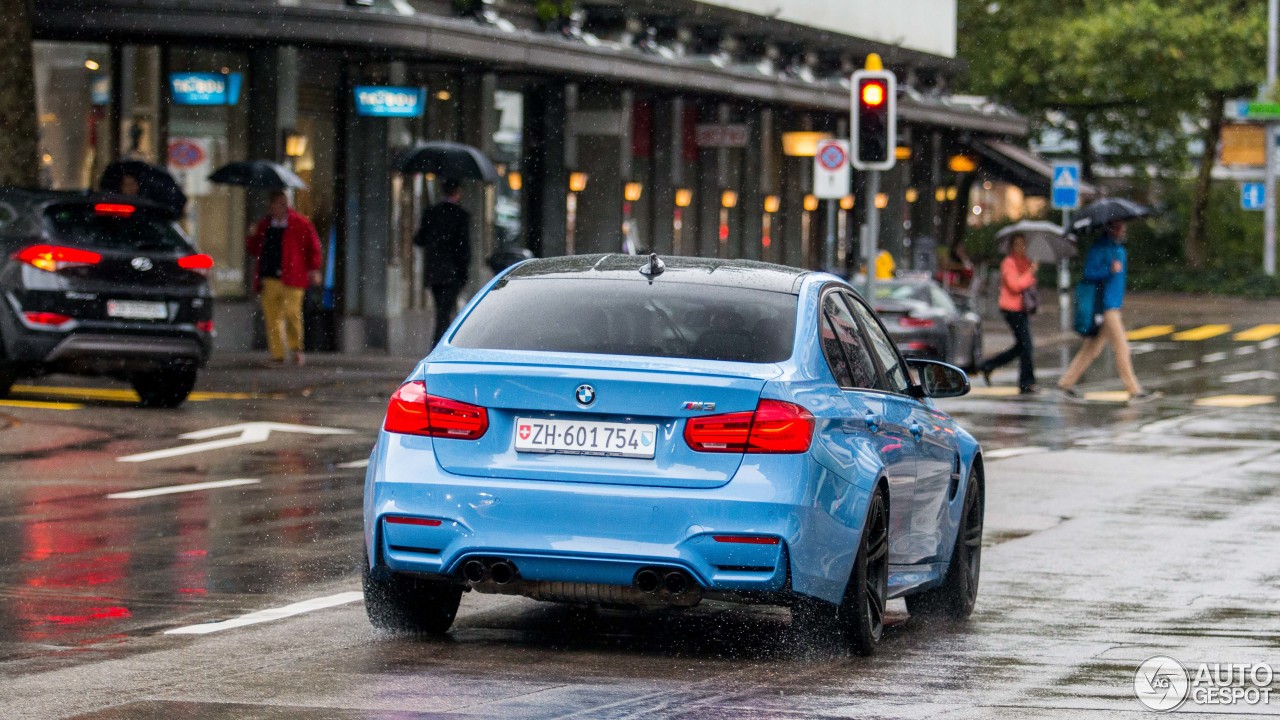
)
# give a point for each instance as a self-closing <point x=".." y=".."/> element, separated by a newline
<point x="585" y="437"/>
<point x="137" y="310"/>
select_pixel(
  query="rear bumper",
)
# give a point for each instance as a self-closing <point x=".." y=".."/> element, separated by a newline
<point x="576" y="532"/>
<point x="102" y="349"/>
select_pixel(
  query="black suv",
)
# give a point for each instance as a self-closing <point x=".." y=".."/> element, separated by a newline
<point x="96" y="284"/>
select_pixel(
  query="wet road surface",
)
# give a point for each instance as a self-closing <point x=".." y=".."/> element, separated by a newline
<point x="1113" y="533"/>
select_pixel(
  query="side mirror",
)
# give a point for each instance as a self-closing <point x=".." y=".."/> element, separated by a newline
<point x="938" y="379"/>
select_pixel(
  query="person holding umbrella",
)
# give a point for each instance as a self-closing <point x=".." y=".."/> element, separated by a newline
<point x="445" y="238"/>
<point x="1106" y="267"/>
<point x="287" y="248"/>
<point x="1017" y="302"/>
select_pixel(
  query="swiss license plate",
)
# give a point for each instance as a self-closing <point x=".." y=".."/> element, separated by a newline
<point x="137" y="310"/>
<point x="584" y="437"/>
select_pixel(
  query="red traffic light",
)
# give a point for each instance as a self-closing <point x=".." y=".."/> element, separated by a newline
<point x="873" y="94"/>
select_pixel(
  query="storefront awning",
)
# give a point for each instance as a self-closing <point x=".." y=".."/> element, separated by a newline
<point x="1020" y="166"/>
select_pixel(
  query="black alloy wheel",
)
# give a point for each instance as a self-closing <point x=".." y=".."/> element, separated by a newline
<point x="958" y="593"/>
<point x="862" y="612"/>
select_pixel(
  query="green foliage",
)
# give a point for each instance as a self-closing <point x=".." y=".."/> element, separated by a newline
<point x="550" y="10"/>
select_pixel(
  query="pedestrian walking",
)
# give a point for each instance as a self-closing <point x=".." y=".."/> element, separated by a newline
<point x="287" y="249"/>
<point x="445" y="237"/>
<point x="1105" y="273"/>
<point x="1017" y="301"/>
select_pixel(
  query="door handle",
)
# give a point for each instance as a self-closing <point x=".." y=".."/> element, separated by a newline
<point x="916" y="431"/>
<point x="872" y="420"/>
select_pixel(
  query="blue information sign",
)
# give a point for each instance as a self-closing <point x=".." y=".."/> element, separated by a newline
<point x="1253" y="195"/>
<point x="387" y="101"/>
<point x="199" y="88"/>
<point x="1066" y="186"/>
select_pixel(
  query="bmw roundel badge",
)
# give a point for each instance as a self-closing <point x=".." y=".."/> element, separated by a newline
<point x="585" y="394"/>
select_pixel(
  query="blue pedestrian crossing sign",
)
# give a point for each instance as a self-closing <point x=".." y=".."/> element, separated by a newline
<point x="1253" y="195"/>
<point x="1066" y="186"/>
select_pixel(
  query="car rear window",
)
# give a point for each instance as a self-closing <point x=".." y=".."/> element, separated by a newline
<point x="82" y="225"/>
<point x="620" y="317"/>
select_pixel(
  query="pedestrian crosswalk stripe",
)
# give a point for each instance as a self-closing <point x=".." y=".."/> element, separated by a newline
<point x="40" y="405"/>
<point x="1235" y="401"/>
<point x="1150" y="331"/>
<point x="1204" y="332"/>
<point x="1113" y="396"/>
<point x="1261" y="332"/>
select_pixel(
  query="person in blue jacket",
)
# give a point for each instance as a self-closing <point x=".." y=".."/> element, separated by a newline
<point x="1106" y="264"/>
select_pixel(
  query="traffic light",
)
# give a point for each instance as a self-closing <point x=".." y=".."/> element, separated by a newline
<point x="875" y="120"/>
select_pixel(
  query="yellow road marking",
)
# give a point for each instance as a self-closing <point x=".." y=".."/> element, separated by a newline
<point x="1111" y="396"/>
<point x="1150" y="331"/>
<point x="998" y="391"/>
<point x="1261" y="332"/>
<point x="121" y="395"/>
<point x="1204" y="332"/>
<point x="1235" y="401"/>
<point x="40" y="405"/>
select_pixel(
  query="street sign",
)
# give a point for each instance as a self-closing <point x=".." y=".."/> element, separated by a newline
<point x="1066" y="186"/>
<point x="1252" y="110"/>
<point x="1253" y="196"/>
<point x="831" y="169"/>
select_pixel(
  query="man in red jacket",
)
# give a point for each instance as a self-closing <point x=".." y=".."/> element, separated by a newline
<point x="287" y="249"/>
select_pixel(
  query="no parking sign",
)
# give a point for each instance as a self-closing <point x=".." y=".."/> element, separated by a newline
<point x="831" y="169"/>
<point x="189" y="164"/>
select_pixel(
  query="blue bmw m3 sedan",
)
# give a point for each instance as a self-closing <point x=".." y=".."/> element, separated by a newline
<point x="628" y="431"/>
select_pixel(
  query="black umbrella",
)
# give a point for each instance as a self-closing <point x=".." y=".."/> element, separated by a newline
<point x="1045" y="241"/>
<point x="260" y="174"/>
<point x="1100" y="212"/>
<point x="154" y="183"/>
<point x="452" y="160"/>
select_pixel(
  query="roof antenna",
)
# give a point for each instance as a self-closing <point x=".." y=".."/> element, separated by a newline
<point x="653" y="268"/>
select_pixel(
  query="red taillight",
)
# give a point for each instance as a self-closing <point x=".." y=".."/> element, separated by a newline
<point x="915" y="322"/>
<point x="196" y="263"/>
<point x="52" y="258"/>
<point x="114" y="209"/>
<point x="406" y="520"/>
<point x="413" y="412"/>
<point x="746" y="539"/>
<point x="47" y="318"/>
<point x="774" y="427"/>
<point x="205" y="326"/>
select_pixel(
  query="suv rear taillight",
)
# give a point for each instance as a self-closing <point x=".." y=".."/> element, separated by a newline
<point x="915" y="322"/>
<point x="774" y="427"/>
<point x="196" y="263"/>
<point x="47" y="319"/>
<point x="413" y="412"/>
<point x="52" y="258"/>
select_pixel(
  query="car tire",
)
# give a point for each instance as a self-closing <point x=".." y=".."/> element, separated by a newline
<point x="859" y="619"/>
<point x="409" y="604"/>
<point x="7" y="378"/>
<point x="165" y="388"/>
<point x="958" y="593"/>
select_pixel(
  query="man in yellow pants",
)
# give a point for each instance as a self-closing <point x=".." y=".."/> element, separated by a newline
<point x="287" y="249"/>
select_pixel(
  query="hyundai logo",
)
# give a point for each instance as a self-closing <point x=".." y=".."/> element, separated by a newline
<point x="141" y="264"/>
<point x="585" y="394"/>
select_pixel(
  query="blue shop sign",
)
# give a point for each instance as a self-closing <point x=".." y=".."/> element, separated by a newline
<point x="387" y="101"/>
<point x="197" y="88"/>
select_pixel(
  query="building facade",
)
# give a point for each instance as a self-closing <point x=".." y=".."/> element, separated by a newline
<point x="676" y="126"/>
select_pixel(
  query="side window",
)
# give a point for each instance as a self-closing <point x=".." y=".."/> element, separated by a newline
<point x="894" y="372"/>
<point x="835" y="356"/>
<point x="848" y="342"/>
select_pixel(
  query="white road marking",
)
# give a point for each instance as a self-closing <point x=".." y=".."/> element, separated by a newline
<point x="1014" y="452"/>
<point x="1246" y="350"/>
<point x="1250" y="375"/>
<point x="354" y="464"/>
<point x="268" y="615"/>
<point x="1181" y="365"/>
<point x="1268" y="344"/>
<point x="171" y="489"/>
<point x="1214" y="357"/>
<point x="250" y="433"/>
<point x="1142" y="348"/>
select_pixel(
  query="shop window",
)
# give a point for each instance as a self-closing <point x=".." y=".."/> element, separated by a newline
<point x="73" y="101"/>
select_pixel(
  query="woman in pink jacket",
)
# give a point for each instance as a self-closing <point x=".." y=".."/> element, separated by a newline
<point x="1017" y="276"/>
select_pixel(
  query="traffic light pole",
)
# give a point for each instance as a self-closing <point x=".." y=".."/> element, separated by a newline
<point x="831" y="237"/>
<point x="1269" y="144"/>
<point x="873" y="231"/>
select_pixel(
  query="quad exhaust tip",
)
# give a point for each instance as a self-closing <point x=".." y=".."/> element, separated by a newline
<point x="474" y="571"/>
<point x="502" y="572"/>
<point x="675" y="582"/>
<point x="648" y="581"/>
